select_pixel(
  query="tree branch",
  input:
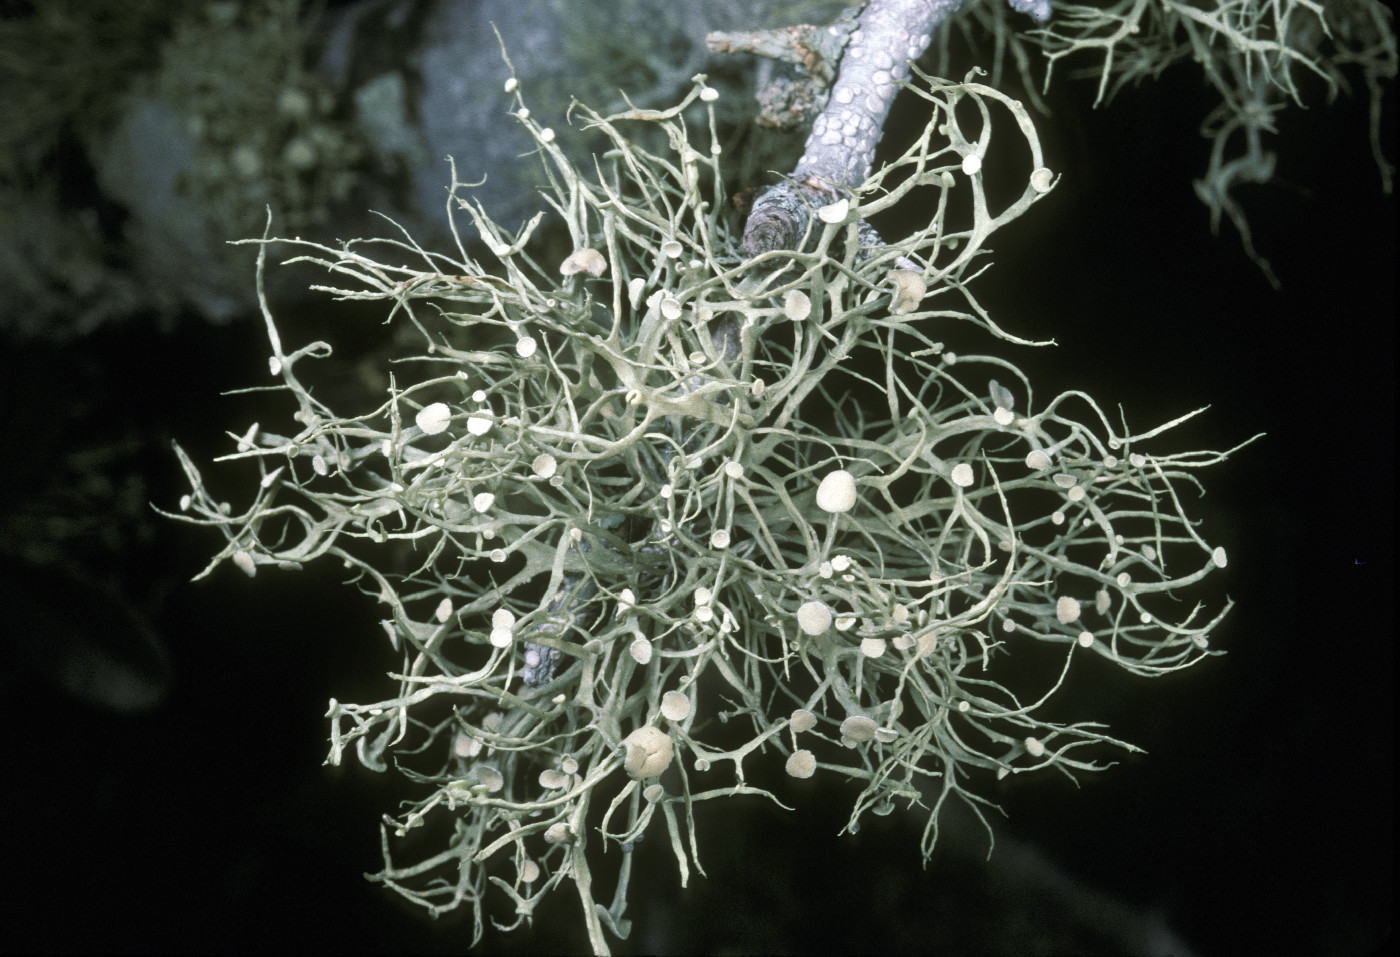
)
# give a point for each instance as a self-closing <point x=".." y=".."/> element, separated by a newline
<point x="841" y="147"/>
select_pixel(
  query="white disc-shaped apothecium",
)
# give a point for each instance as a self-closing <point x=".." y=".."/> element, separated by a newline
<point x="1066" y="609"/>
<point x="584" y="260"/>
<point x="813" y="617"/>
<point x="909" y="290"/>
<point x="544" y="465"/>
<point x="835" y="213"/>
<point x="858" y="728"/>
<point x="837" y="492"/>
<point x="649" y="752"/>
<point x="434" y="418"/>
<point x="490" y="778"/>
<point x="1036" y="459"/>
<point x="466" y="746"/>
<point x="801" y="764"/>
<point x="675" y="705"/>
<point x="797" y="306"/>
<point x="245" y="563"/>
<point x="872" y="647"/>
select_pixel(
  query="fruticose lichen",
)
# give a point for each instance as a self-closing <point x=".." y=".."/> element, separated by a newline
<point x="649" y="483"/>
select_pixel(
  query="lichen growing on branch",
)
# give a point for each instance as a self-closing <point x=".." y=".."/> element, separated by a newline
<point x="876" y="57"/>
<point x="614" y="497"/>
<point x="1258" y="55"/>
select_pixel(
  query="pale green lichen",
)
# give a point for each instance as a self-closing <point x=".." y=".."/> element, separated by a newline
<point x="540" y="525"/>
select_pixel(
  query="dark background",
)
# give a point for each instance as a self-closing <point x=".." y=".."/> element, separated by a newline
<point x="1258" y="821"/>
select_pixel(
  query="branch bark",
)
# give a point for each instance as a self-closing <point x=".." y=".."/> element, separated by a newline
<point x="841" y="148"/>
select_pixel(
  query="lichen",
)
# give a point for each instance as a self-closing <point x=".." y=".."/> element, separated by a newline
<point x="542" y="527"/>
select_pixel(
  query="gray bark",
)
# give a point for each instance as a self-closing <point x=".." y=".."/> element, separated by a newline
<point x="841" y="147"/>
